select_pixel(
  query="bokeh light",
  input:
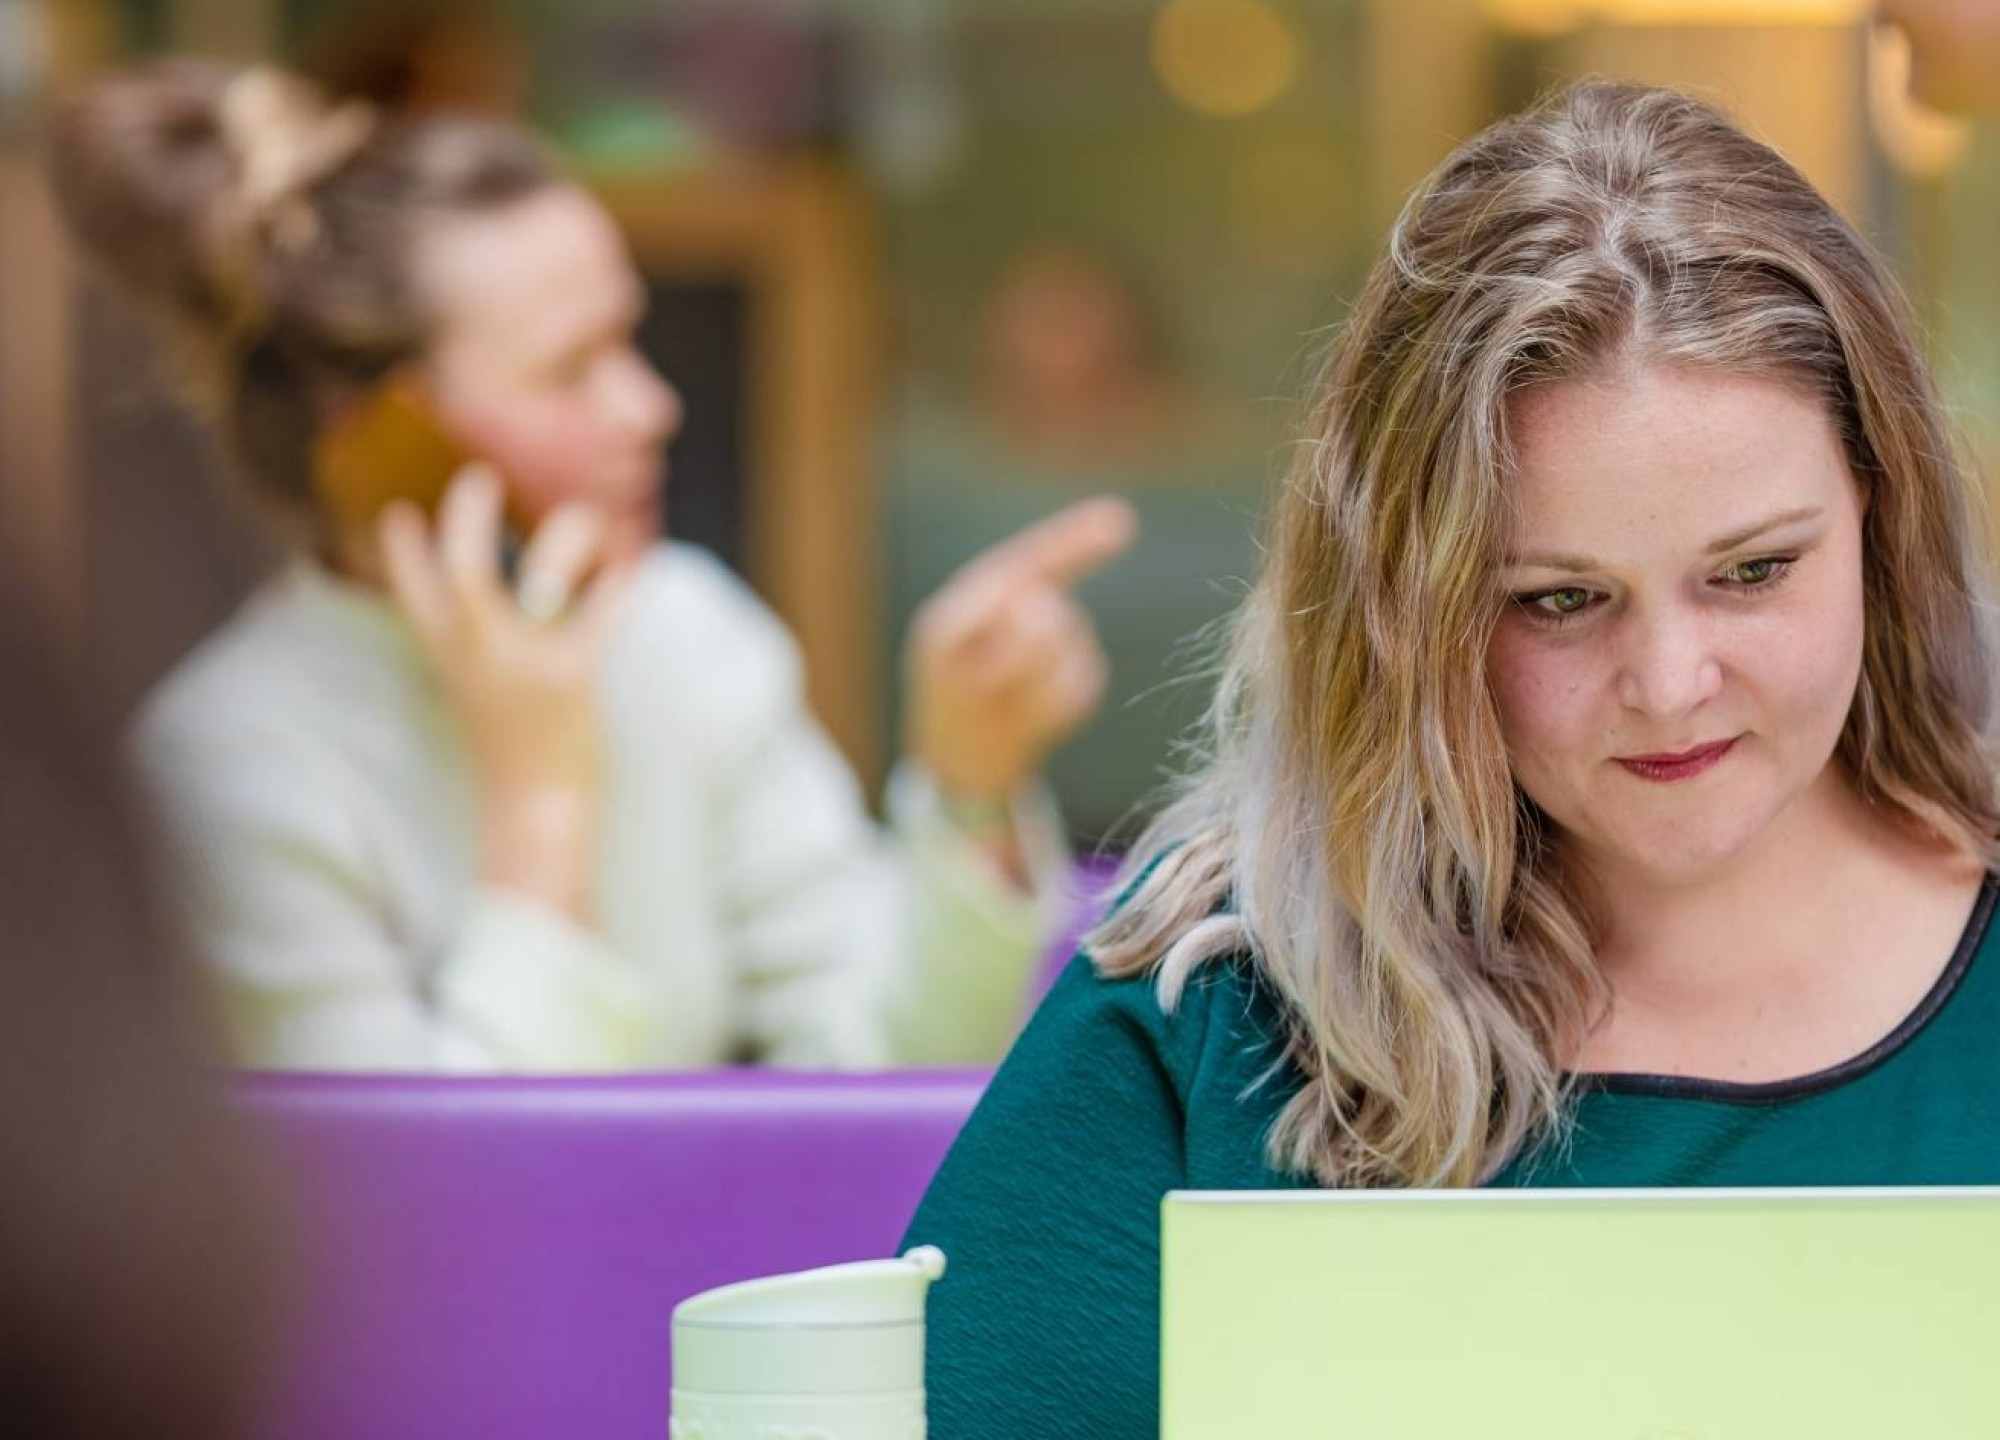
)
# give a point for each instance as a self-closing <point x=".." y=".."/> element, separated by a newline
<point x="1224" y="57"/>
<point x="1921" y="142"/>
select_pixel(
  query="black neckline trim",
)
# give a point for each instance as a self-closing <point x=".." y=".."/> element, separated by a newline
<point x="1771" y="1092"/>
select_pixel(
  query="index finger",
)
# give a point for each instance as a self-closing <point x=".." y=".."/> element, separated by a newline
<point x="1068" y="546"/>
<point x="410" y="565"/>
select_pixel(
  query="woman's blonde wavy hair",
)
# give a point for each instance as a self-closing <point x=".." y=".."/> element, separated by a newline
<point x="1354" y="827"/>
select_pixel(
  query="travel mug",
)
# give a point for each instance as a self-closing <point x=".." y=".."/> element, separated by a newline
<point x="831" y="1354"/>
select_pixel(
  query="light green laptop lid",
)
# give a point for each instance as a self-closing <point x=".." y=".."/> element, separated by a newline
<point x="1581" y="1315"/>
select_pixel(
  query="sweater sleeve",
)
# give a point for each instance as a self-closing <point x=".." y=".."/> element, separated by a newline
<point x="284" y="899"/>
<point x="1047" y="1208"/>
<point x="975" y="941"/>
<point x="857" y="947"/>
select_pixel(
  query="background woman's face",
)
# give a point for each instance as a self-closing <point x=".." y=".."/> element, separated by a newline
<point x="1684" y="632"/>
<point x="534" y="365"/>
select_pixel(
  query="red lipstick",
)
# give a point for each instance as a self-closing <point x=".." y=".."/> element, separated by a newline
<point x="1684" y="765"/>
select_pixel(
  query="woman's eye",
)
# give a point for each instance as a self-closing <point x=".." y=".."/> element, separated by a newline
<point x="1753" y="573"/>
<point x="1564" y="601"/>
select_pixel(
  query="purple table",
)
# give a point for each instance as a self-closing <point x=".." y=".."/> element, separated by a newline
<point x="498" y="1259"/>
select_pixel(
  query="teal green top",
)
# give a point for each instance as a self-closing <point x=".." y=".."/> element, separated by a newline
<point x="1047" y="1323"/>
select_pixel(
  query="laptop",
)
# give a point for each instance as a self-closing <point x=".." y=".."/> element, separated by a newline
<point x="1581" y="1315"/>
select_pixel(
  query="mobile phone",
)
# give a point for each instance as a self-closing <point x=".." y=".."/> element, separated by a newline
<point x="389" y="446"/>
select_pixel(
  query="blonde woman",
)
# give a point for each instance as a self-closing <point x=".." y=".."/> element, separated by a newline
<point x="432" y="821"/>
<point x="1598" y="795"/>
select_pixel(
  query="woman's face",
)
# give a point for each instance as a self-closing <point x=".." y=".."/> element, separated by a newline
<point x="534" y="366"/>
<point x="1684" y="634"/>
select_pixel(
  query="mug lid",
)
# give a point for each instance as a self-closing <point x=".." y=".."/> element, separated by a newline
<point x="871" y="1292"/>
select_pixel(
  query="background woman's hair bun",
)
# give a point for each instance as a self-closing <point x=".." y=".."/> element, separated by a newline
<point x="284" y="138"/>
<point x="182" y="177"/>
<point x="273" y="236"/>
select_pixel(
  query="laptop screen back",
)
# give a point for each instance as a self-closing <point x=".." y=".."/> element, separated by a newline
<point x="1581" y="1315"/>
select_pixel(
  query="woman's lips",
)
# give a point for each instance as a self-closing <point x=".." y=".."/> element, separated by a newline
<point x="1684" y="765"/>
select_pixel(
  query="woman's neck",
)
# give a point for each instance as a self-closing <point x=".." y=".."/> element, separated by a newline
<point x="1830" y="867"/>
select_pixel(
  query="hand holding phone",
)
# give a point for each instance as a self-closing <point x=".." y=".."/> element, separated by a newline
<point x="514" y="632"/>
<point x="390" y="446"/>
<point x="387" y="446"/>
<point x="524" y="690"/>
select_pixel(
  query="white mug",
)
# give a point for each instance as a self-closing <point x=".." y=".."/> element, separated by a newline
<point x="831" y="1354"/>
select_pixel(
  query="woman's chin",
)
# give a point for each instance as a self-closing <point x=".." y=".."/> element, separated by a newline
<point x="632" y="538"/>
<point x="1681" y="860"/>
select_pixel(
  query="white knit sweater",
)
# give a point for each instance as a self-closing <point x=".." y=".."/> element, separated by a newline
<point x="319" y="804"/>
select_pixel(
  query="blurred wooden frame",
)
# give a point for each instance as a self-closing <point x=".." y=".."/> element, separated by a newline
<point x="41" y="519"/>
<point x="800" y="238"/>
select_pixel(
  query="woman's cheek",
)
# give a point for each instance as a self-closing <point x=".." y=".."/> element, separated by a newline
<point x="1806" y="660"/>
<point x="544" y="455"/>
<point x="1541" y="693"/>
<point x="1527" y="682"/>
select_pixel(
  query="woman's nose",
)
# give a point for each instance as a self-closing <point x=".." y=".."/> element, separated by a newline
<point x="1667" y="666"/>
<point x="648" y="401"/>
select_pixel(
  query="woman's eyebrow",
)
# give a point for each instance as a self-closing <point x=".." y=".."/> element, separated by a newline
<point x="1736" y="538"/>
<point x="1539" y="560"/>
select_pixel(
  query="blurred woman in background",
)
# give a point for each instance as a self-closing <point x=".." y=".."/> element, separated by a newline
<point x="433" y="818"/>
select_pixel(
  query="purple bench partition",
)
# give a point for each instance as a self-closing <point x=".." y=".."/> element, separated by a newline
<point x="498" y="1259"/>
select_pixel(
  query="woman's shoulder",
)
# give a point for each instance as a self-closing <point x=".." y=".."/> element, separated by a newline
<point x="677" y="572"/>
<point x="685" y="583"/>
<point x="698" y="655"/>
<point x="1185" y="979"/>
<point x="277" y="665"/>
<point x="1221" y="1011"/>
<point x="1224" y="981"/>
<point x="689" y="611"/>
